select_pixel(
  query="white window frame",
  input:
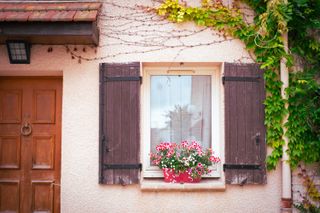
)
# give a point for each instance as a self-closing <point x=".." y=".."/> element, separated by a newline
<point x="217" y="128"/>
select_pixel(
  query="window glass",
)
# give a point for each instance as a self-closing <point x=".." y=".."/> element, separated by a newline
<point x="180" y="109"/>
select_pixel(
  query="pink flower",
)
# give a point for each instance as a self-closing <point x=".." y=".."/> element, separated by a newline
<point x="214" y="159"/>
<point x="184" y="144"/>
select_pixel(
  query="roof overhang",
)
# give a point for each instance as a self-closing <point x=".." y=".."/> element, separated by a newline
<point x="50" y="23"/>
<point x="50" y="33"/>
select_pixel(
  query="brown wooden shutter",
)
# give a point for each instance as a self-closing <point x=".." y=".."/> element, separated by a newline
<point x="245" y="149"/>
<point x="119" y="123"/>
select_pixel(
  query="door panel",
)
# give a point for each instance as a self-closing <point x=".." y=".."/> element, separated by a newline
<point x="9" y="196"/>
<point x="10" y="106"/>
<point x="30" y="144"/>
<point x="9" y="152"/>
<point x="42" y="196"/>
<point x="43" y="152"/>
<point x="44" y="102"/>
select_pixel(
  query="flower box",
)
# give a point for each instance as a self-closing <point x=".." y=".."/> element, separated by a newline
<point x="184" y="162"/>
<point x="171" y="176"/>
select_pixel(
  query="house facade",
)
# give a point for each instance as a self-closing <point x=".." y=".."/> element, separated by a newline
<point x="79" y="120"/>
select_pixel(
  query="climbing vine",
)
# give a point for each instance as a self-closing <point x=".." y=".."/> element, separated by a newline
<point x="153" y="31"/>
<point x="304" y="93"/>
<point x="310" y="195"/>
<point x="303" y="22"/>
<point x="304" y="120"/>
<point x="264" y="38"/>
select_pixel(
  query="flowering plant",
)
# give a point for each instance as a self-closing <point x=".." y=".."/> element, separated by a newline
<point x="184" y="157"/>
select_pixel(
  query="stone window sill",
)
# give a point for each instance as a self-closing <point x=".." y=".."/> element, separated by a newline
<point x="160" y="185"/>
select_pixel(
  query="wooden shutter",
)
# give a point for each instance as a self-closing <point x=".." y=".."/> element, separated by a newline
<point x="119" y="123"/>
<point x="245" y="149"/>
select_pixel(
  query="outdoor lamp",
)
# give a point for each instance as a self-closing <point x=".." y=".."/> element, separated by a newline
<point x="18" y="51"/>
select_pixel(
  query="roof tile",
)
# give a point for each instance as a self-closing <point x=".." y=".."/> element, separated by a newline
<point x="33" y="7"/>
<point x="85" y="15"/>
<point x="3" y="16"/>
<point x="2" y="6"/>
<point x="76" y="6"/>
<point x="15" y="7"/>
<point x="73" y="11"/>
<point x="95" y="6"/>
<point x="41" y="16"/>
<point x="63" y="16"/>
<point x="21" y="16"/>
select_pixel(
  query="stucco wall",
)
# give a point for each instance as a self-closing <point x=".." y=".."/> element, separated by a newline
<point x="80" y="191"/>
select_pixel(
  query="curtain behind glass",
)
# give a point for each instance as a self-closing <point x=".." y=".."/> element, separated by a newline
<point x="180" y="109"/>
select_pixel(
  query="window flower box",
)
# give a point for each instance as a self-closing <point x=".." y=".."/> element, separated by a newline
<point x="171" y="176"/>
<point x="184" y="162"/>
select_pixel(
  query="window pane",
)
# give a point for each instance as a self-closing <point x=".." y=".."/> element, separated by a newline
<point x="180" y="109"/>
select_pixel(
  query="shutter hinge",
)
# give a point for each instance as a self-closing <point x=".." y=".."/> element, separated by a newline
<point x="240" y="78"/>
<point x="242" y="166"/>
<point x="123" y="166"/>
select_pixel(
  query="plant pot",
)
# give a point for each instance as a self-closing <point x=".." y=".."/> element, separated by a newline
<point x="171" y="176"/>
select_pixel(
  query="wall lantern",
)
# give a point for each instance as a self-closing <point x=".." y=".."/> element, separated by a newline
<point x="18" y="51"/>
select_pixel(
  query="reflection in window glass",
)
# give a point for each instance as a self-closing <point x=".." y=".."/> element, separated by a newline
<point x="180" y="109"/>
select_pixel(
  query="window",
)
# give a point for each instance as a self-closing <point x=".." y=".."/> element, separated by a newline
<point x="178" y="103"/>
<point x="181" y="104"/>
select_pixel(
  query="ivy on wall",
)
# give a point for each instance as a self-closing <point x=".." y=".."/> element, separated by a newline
<point x="304" y="90"/>
<point x="310" y="195"/>
<point x="264" y="39"/>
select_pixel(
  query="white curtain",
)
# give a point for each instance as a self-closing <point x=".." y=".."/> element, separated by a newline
<point x="180" y="109"/>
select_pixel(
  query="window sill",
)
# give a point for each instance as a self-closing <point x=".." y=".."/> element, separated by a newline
<point x="160" y="185"/>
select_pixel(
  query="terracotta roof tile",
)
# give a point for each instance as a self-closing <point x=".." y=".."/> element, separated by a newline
<point x="76" y="6"/>
<point x="33" y="7"/>
<point x="94" y="6"/>
<point x="3" y="16"/>
<point x="63" y="16"/>
<point x="15" y="7"/>
<point x="2" y="6"/>
<point x="89" y="15"/>
<point x="73" y="11"/>
<point x="21" y="16"/>
<point x="41" y="16"/>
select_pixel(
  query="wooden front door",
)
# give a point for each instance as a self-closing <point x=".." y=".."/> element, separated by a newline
<point x="30" y="144"/>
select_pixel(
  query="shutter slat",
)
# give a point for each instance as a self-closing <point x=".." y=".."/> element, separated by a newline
<point x="134" y="127"/>
<point x="116" y="117"/>
<point x="250" y="110"/>
<point x="244" y="118"/>
<point x="121" y="123"/>
<point x="261" y="148"/>
<point x="112" y="97"/>
<point x="232" y="174"/>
